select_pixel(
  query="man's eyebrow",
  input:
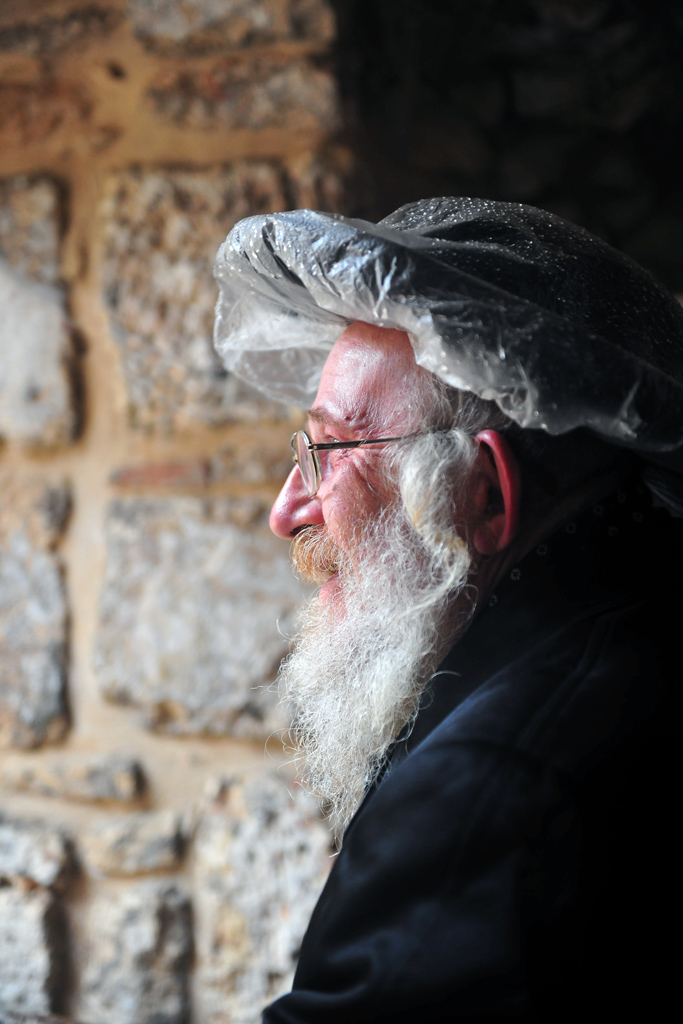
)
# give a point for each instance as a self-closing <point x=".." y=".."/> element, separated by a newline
<point x="320" y="415"/>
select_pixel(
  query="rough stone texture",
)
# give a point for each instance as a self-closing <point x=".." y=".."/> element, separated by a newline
<point x="31" y="113"/>
<point x="55" y="31"/>
<point x="139" y="958"/>
<point x="201" y="26"/>
<point x="570" y="105"/>
<point x="40" y="509"/>
<point x="192" y="595"/>
<point x="28" y="957"/>
<point x="250" y="463"/>
<point x="33" y="612"/>
<point x="109" y="779"/>
<point x="261" y="862"/>
<point x="36" y="354"/>
<point x="29" y="227"/>
<point x="320" y="183"/>
<point x="260" y="94"/>
<point x="165" y="475"/>
<point x="36" y="406"/>
<point x="162" y="231"/>
<point x="134" y="844"/>
<point x="33" y="852"/>
<point x="10" y="1017"/>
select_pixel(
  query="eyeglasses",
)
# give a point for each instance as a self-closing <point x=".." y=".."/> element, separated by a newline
<point x="306" y="455"/>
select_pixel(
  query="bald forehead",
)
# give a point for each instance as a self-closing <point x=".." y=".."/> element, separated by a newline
<point x="370" y="380"/>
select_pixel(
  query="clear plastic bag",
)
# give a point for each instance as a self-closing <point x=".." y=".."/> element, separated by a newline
<point x="507" y="301"/>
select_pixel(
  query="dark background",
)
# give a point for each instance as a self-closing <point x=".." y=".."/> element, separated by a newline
<point x="572" y="105"/>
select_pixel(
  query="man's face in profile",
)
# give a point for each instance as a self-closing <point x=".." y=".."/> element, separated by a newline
<point x="376" y="629"/>
<point x="364" y="392"/>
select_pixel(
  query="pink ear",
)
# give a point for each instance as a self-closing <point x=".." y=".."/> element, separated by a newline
<point x="507" y="470"/>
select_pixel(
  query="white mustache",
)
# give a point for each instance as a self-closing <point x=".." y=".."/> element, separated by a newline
<point x="315" y="555"/>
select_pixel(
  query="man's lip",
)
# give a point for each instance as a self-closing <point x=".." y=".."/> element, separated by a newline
<point x="329" y="586"/>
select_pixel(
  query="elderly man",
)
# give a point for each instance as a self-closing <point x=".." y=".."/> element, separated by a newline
<point x="484" y="491"/>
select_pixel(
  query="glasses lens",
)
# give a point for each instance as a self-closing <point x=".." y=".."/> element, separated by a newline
<point x="305" y="461"/>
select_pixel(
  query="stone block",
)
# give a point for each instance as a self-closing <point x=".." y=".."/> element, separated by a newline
<point x="322" y="183"/>
<point x="33" y="852"/>
<point x="165" y="475"/>
<point x="161" y="234"/>
<point x="108" y="779"/>
<point x="33" y="613"/>
<point x="56" y="30"/>
<point x="10" y="1017"/>
<point x="204" y="26"/>
<point x="255" y="94"/>
<point x="254" y="460"/>
<point x="32" y="113"/>
<point x="139" y="957"/>
<point x="134" y="844"/>
<point x="36" y="353"/>
<point x="29" y="227"/>
<point x="261" y="861"/>
<point x="36" y="394"/>
<point x="39" y="509"/>
<point x="193" y="593"/>
<point x="251" y="462"/>
<point x="29" y="958"/>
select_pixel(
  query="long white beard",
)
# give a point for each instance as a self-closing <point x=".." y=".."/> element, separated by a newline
<point x="362" y="661"/>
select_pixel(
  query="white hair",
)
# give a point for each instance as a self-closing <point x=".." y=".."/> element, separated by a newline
<point x="354" y="680"/>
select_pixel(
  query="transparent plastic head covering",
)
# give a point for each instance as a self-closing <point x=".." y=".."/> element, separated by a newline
<point x="510" y="302"/>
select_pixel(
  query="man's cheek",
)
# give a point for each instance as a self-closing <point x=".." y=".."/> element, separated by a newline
<point x="350" y="509"/>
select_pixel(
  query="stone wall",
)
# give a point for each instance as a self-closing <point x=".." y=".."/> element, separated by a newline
<point x="154" y="864"/>
<point x="572" y="105"/>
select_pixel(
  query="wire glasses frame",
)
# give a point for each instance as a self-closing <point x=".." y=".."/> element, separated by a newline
<point x="306" y="455"/>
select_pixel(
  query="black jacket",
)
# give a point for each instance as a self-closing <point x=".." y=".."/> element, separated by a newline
<point x="517" y="855"/>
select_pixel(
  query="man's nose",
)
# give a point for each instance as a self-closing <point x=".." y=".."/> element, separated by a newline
<point x="293" y="508"/>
